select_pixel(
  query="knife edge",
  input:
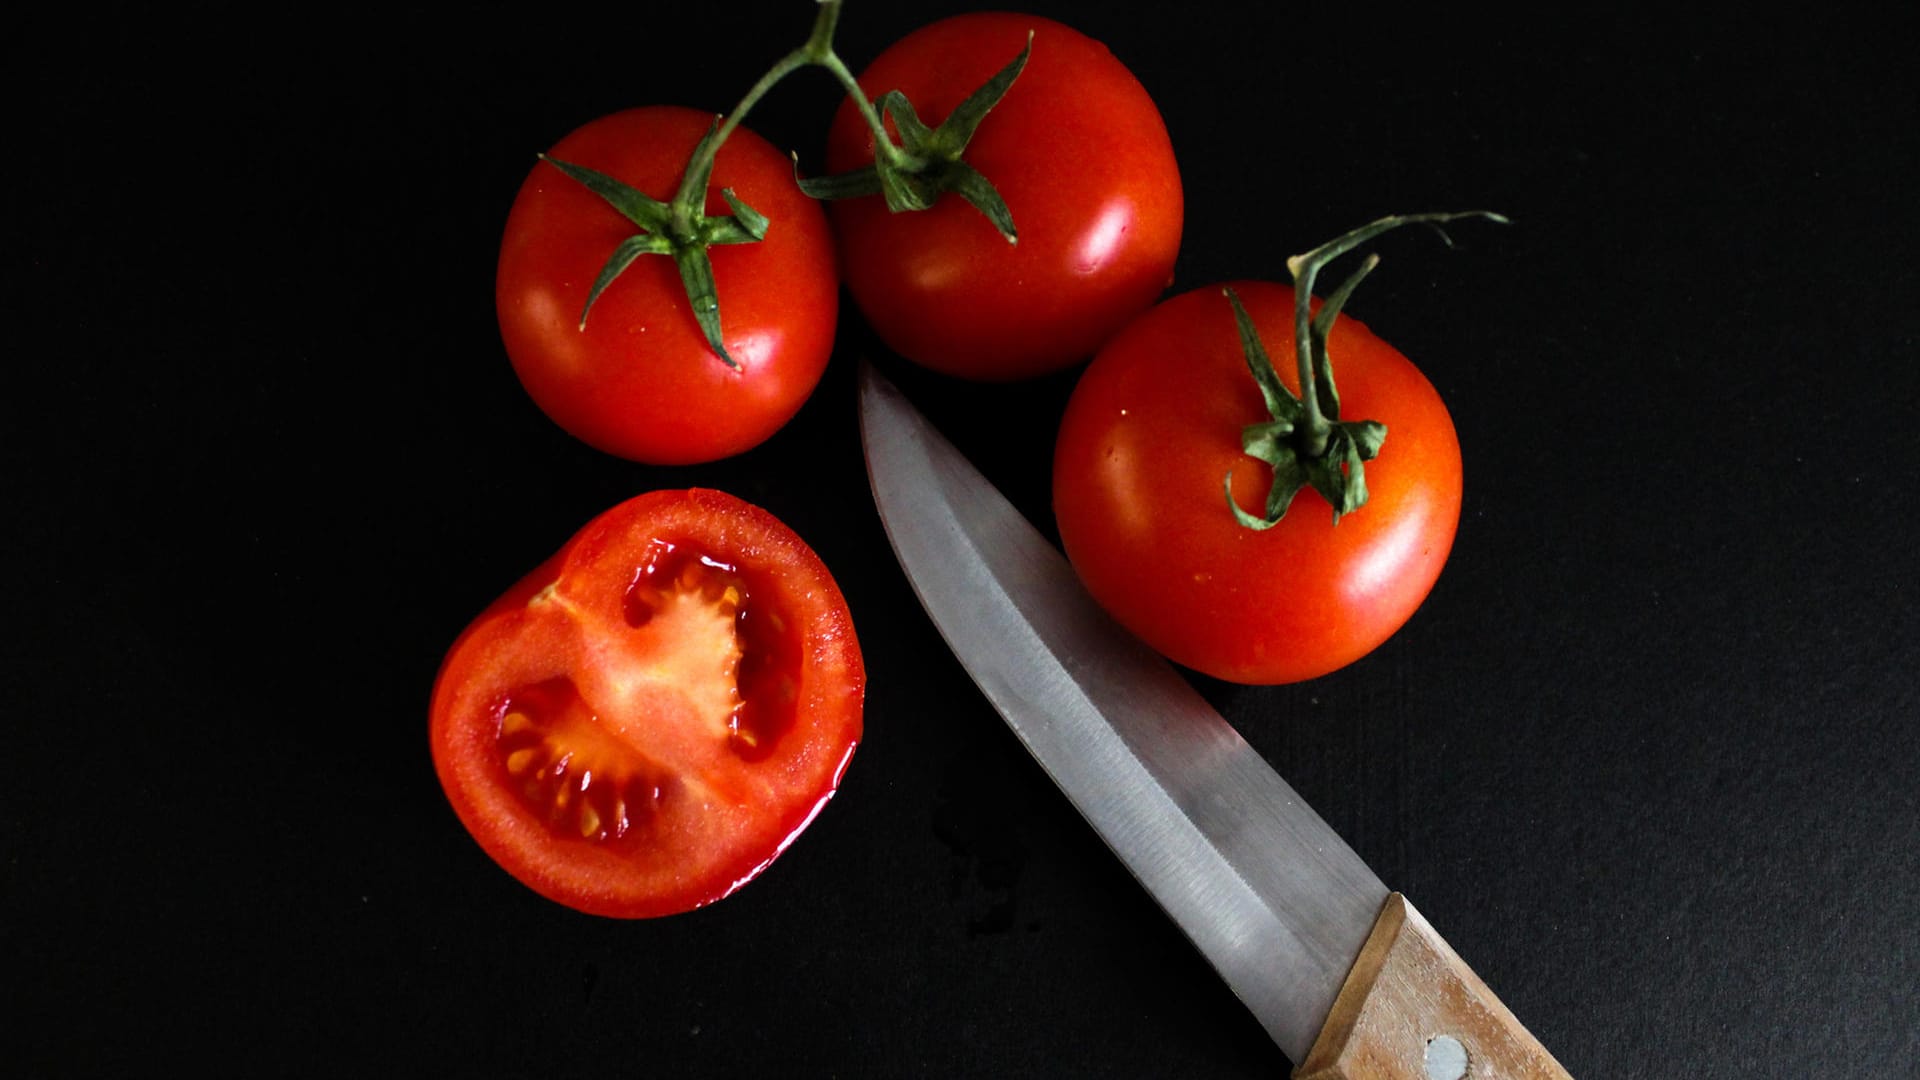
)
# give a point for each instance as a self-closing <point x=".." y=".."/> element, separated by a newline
<point x="1186" y="804"/>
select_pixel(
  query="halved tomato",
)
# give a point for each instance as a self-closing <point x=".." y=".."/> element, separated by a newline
<point x="641" y="725"/>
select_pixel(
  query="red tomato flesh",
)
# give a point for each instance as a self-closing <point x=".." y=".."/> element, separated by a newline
<point x="1149" y="436"/>
<point x="643" y="723"/>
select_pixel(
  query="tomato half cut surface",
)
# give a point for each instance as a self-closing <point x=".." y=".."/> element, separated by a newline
<point x="642" y="724"/>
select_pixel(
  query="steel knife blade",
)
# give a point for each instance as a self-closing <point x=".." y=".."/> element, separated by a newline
<point x="1341" y="972"/>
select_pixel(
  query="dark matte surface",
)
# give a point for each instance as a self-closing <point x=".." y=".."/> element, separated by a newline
<point x="1645" y="757"/>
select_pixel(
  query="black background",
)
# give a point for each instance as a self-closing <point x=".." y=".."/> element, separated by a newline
<point x="1646" y="756"/>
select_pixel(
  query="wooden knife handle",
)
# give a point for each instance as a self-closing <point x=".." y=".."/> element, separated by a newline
<point x="1411" y="1009"/>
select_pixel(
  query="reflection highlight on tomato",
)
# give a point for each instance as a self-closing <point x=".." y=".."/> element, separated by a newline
<point x="1100" y="243"/>
<point x="641" y="725"/>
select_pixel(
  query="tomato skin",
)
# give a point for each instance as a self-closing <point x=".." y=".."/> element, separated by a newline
<point x="640" y="381"/>
<point x="1151" y="432"/>
<point x="630" y="700"/>
<point x="1081" y="156"/>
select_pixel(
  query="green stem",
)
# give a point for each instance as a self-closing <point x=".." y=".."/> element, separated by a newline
<point x="1305" y="268"/>
<point x="883" y="144"/>
<point x="1304" y="441"/>
<point x="681" y="227"/>
<point x="1315" y="429"/>
<point x="689" y="202"/>
<point x="695" y="196"/>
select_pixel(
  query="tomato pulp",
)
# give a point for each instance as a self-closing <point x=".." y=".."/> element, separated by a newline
<point x="1149" y="436"/>
<point x="640" y="380"/>
<point x="642" y="724"/>
<point x="1079" y="153"/>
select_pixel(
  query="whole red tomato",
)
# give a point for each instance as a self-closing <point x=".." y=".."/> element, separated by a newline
<point x="1081" y="157"/>
<point x="640" y="380"/>
<point x="1151" y="432"/>
<point x="645" y="721"/>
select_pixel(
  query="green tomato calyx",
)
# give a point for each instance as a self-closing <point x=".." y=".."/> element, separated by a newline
<point x="927" y="162"/>
<point x="673" y="229"/>
<point x="1304" y="440"/>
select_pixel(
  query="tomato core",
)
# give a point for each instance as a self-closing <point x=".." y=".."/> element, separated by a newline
<point x="734" y="675"/>
<point x="763" y="666"/>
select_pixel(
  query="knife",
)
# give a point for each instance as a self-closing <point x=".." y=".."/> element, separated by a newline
<point x="1344" y="974"/>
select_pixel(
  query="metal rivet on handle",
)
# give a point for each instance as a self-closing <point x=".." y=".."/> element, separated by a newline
<point x="1446" y="1058"/>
